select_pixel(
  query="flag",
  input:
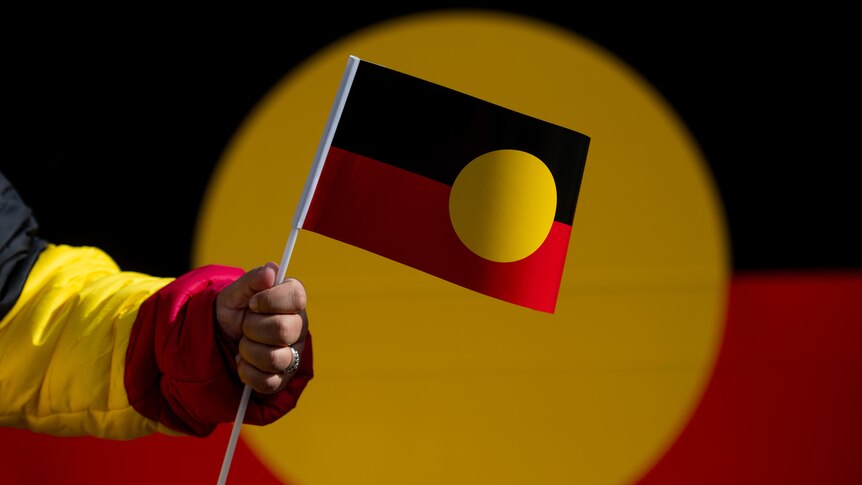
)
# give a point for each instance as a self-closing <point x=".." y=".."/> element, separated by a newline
<point x="460" y="188"/>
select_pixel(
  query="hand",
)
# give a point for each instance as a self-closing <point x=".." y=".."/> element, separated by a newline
<point x="266" y="320"/>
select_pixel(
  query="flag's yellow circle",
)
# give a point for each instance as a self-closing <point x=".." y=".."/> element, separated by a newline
<point x="502" y="205"/>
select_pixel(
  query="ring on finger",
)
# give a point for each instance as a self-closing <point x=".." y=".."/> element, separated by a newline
<point x="294" y="361"/>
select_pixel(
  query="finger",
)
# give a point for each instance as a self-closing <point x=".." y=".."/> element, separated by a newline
<point x="287" y="297"/>
<point x="237" y="294"/>
<point x="266" y="358"/>
<point x="262" y="382"/>
<point x="276" y="330"/>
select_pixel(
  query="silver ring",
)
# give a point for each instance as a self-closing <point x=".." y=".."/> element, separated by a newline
<point x="294" y="362"/>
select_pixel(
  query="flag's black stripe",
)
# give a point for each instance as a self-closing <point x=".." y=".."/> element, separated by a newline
<point x="435" y="131"/>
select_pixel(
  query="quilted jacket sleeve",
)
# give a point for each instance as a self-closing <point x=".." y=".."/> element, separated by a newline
<point x="63" y="346"/>
<point x="92" y="350"/>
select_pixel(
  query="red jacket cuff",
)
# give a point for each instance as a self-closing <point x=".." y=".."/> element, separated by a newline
<point x="181" y="367"/>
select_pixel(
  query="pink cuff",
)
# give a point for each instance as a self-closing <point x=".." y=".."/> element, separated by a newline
<point x="180" y="367"/>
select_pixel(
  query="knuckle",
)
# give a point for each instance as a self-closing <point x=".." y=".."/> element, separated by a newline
<point x="298" y="293"/>
<point x="273" y="362"/>
<point x="288" y="330"/>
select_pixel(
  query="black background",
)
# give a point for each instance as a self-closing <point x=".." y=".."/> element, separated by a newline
<point x="113" y="120"/>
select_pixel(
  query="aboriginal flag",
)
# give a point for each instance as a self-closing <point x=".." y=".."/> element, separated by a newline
<point x="461" y="188"/>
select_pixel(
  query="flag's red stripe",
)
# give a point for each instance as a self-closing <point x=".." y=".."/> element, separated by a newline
<point x="785" y="401"/>
<point x="405" y="217"/>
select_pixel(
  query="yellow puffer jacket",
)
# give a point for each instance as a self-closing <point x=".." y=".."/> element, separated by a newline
<point x="88" y="349"/>
<point x="63" y="346"/>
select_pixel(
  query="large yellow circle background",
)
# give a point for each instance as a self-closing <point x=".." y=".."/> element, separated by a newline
<point x="421" y="381"/>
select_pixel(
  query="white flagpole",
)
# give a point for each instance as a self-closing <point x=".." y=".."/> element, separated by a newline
<point x="298" y="219"/>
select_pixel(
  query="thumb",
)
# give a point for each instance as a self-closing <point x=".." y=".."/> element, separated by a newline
<point x="236" y="295"/>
